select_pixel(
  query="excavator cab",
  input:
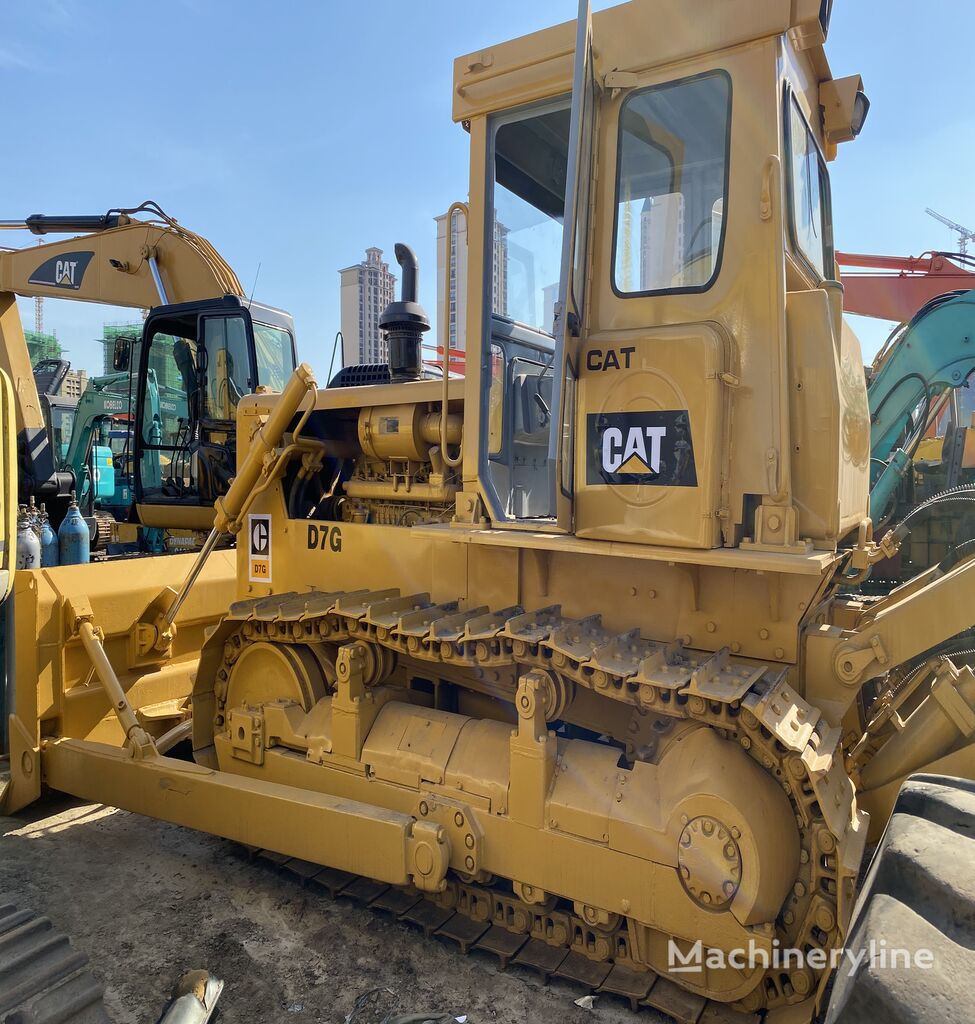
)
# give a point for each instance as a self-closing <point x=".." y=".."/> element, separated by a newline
<point x="204" y="356"/>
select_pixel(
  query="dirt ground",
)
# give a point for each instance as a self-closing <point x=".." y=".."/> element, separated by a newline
<point x="147" y="901"/>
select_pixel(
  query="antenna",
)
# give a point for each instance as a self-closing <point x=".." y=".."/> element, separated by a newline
<point x="254" y="287"/>
<point x="965" y="235"/>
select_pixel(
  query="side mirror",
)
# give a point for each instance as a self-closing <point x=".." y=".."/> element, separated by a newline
<point x="122" y="354"/>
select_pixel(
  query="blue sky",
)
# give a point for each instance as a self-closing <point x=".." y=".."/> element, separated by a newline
<point x="295" y="134"/>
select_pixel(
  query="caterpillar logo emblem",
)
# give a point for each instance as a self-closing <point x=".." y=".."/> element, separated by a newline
<point x="259" y="552"/>
<point x="634" y="448"/>
<point x="638" y="453"/>
<point x="65" y="271"/>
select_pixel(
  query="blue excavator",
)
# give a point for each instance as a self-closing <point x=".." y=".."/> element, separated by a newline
<point x="99" y="451"/>
<point x="922" y="429"/>
<point x="914" y="383"/>
<point x="92" y="438"/>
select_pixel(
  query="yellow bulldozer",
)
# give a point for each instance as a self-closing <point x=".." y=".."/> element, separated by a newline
<point x="568" y="652"/>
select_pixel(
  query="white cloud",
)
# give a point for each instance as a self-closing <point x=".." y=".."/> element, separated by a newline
<point x="11" y="60"/>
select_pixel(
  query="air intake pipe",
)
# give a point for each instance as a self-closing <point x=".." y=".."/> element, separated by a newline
<point x="405" y="321"/>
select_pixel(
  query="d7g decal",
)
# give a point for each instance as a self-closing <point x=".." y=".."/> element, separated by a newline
<point x="640" y="448"/>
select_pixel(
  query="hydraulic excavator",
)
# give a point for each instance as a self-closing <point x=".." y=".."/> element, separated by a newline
<point x="565" y="660"/>
<point x="223" y="346"/>
<point x="918" y="392"/>
<point x="99" y="453"/>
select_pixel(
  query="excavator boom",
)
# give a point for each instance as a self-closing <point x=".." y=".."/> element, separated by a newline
<point x="120" y="259"/>
<point x="896" y="287"/>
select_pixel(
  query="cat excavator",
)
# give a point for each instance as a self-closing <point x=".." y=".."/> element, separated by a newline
<point x="226" y="346"/>
<point x="565" y="660"/>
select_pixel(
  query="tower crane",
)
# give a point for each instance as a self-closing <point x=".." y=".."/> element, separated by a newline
<point x="965" y="235"/>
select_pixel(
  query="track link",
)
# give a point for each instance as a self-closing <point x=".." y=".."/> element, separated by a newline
<point x="751" y="704"/>
<point x="641" y="989"/>
<point x="43" y="978"/>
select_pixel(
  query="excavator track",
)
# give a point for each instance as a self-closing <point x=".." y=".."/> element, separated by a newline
<point x="751" y="704"/>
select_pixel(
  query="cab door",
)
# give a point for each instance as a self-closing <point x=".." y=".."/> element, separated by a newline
<point x="570" y="307"/>
<point x="658" y="367"/>
<point x="537" y="200"/>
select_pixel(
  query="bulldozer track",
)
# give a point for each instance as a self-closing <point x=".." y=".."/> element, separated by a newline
<point x="751" y="704"/>
<point x="43" y="978"/>
<point x="642" y="989"/>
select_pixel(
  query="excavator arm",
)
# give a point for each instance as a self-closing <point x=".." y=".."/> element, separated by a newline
<point x="896" y="287"/>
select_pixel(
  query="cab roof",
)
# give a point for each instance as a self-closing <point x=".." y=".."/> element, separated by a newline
<point x="631" y="37"/>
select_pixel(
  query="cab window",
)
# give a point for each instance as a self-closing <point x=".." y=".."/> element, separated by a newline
<point x="62" y="426"/>
<point x="530" y="161"/>
<point x="672" y="185"/>
<point x="227" y="365"/>
<point x="275" y="361"/>
<point x="810" y="220"/>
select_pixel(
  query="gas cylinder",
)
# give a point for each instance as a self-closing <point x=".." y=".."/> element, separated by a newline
<point x="74" y="541"/>
<point x="28" y="544"/>
<point x="50" y="553"/>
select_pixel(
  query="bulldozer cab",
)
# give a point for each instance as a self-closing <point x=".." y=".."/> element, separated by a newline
<point x="196" y="361"/>
<point x="650" y="268"/>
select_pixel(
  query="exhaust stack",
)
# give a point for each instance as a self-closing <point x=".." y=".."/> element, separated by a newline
<point x="405" y="321"/>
